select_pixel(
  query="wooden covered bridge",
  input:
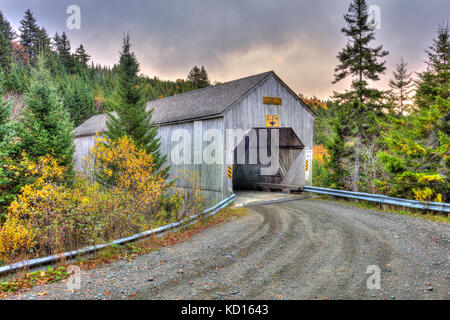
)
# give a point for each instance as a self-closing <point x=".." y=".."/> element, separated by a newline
<point x="250" y="133"/>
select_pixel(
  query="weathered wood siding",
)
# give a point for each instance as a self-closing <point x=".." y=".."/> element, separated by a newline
<point x="210" y="175"/>
<point x="250" y="112"/>
<point x="83" y="146"/>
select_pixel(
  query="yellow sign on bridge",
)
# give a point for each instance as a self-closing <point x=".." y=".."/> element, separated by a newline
<point x="272" y="100"/>
<point x="272" y="121"/>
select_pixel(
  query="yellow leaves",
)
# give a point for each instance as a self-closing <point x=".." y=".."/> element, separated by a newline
<point x="14" y="237"/>
<point x="49" y="216"/>
<point x="429" y="178"/>
<point x="424" y="194"/>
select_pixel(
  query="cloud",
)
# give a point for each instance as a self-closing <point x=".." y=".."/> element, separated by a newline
<point x="297" y="39"/>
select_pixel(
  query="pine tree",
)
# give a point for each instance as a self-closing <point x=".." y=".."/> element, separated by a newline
<point x="43" y="41"/>
<point x="79" y="99"/>
<point x="45" y="127"/>
<point x="418" y="146"/>
<point x="131" y="117"/>
<point x="63" y="48"/>
<point x="18" y="79"/>
<point x="437" y="73"/>
<point x="30" y="35"/>
<point x="198" y="77"/>
<point x="439" y="55"/>
<point x="5" y="109"/>
<point x="360" y="61"/>
<point x="5" y="29"/>
<point x="82" y="56"/>
<point x="5" y="53"/>
<point x="401" y="85"/>
<point x="336" y="149"/>
<point x="6" y="132"/>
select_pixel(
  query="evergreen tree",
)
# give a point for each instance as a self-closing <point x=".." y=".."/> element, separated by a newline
<point x="18" y="79"/>
<point x="198" y="77"/>
<point x="437" y="73"/>
<point x="43" y="41"/>
<point x="5" y="53"/>
<point x="336" y="150"/>
<point x="439" y="55"/>
<point x="5" y="29"/>
<point x="401" y="86"/>
<point x="30" y="35"/>
<point x="45" y="127"/>
<point x="82" y="56"/>
<point x="79" y="99"/>
<point x="5" y="109"/>
<point x="131" y="117"/>
<point x="359" y="61"/>
<point x="63" y="48"/>
<point x="6" y="132"/>
<point x="418" y="152"/>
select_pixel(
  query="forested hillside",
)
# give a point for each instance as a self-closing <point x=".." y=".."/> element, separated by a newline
<point x="84" y="86"/>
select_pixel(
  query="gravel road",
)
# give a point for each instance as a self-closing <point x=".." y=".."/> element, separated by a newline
<point x="304" y="249"/>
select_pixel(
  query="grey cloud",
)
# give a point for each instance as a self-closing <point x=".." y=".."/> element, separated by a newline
<point x="297" y="39"/>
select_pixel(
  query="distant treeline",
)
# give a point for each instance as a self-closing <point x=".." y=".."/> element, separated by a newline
<point x="84" y="86"/>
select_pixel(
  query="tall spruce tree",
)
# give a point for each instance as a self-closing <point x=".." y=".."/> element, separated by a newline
<point x="63" y="48"/>
<point x="401" y="85"/>
<point x="81" y="55"/>
<point x="6" y="29"/>
<point x="45" y="127"/>
<point x="199" y="77"/>
<point x="30" y="34"/>
<point x="43" y="41"/>
<point x="131" y="117"/>
<point x="359" y="61"/>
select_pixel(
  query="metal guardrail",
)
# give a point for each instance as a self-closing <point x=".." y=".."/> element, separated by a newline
<point x="435" y="206"/>
<point x="158" y="231"/>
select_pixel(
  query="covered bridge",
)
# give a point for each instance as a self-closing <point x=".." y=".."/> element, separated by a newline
<point x="250" y="133"/>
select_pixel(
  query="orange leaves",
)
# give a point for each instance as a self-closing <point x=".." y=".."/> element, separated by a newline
<point x="320" y="153"/>
<point x="314" y="103"/>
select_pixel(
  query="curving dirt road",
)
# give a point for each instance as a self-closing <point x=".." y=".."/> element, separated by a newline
<point x="305" y="249"/>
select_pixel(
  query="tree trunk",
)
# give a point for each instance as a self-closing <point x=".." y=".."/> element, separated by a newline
<point x="357" y="160"/>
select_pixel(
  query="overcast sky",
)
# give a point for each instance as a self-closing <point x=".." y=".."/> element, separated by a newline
<point x="298" y="39"/>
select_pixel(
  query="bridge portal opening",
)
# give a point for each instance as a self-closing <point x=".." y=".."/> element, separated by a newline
<point x="263" y="158"/>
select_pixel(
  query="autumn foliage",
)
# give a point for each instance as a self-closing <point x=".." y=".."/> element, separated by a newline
<point x="127" y="196"/>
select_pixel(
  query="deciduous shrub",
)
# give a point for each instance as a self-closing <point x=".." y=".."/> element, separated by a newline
<point x="50" y="216"/>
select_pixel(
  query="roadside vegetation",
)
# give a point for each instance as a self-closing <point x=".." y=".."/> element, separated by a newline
<point x="394" y="142"/>
<point x="23" y="281"/>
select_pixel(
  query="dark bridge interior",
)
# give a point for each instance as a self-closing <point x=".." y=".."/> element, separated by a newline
<point x="257" y="146"/>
